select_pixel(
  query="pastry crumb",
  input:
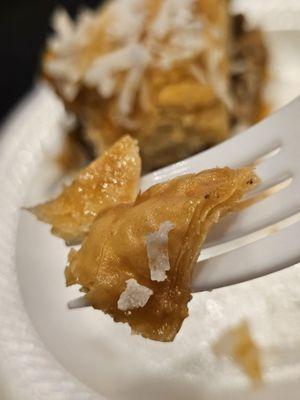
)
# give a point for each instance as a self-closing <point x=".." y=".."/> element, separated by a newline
<point x="239" y="344"/>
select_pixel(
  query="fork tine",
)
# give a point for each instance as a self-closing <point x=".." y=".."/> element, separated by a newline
<point x="264" y="213"/>
<point x="80" y="302"/>
<point x="264" y="238"/>
<point x="247" y="147"/>
<point x="215" y="157"/>
<point x="276" y="251"/>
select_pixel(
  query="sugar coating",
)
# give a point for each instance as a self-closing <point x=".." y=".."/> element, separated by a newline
<point x="134" y="296"/>
<point x="157" y="251"/>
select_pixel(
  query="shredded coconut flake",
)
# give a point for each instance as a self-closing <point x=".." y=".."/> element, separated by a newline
<point x="64" y="31"/>
<point x="174" y="35"/>
<point x="161" y="25"/>
<point x="66" y="44"/>
<point x="176" y="22"/>
<point x="174" y="15"/>
<point x="133" y="81"/>
<point x="197" y="73"/>
<point x="134" y="296"/>
<point x="103" y="72"/>
<point x="128" y="20"/>
<point x="157" y="251"/>
<point x="68" y="34"/>
<point x="219" y="83"/>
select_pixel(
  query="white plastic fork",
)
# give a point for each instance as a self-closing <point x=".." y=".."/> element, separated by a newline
<point x="265" y="237"/>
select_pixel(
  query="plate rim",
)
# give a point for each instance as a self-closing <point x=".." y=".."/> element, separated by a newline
<point x="21" y="348"/>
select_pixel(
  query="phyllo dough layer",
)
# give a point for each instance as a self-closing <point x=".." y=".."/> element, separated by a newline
<point x="116" y="264"/>
<point x="111" y="179"/>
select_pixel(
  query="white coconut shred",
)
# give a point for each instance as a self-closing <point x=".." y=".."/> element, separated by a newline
<point x="66" y="44"/>
<point x="157" y="251"/>
<point x="176" y="19"/>
<point x="134" y="296"/>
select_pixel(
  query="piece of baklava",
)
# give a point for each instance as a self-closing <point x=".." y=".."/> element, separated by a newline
<point x="157" y="69"/>
<point x="136" y="262"/>
<point x="111" y="179"/>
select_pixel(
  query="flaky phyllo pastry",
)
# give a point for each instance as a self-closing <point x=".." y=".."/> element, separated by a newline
<point x="111" y="179"/>
<point x="175" y="74"/>
<point x="137" y="259"/>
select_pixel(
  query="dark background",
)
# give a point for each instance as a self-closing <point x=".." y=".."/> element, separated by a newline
<point x="23" y="29"/>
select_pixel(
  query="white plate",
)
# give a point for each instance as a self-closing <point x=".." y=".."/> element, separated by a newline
<point x="47" y="352"/>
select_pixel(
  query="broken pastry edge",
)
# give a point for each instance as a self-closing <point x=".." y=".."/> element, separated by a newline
<point x="76" y="225"/>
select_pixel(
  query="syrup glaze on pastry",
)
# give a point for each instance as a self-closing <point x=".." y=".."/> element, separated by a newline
<point x="113" y="262"/>
<point x="111" y="179"/>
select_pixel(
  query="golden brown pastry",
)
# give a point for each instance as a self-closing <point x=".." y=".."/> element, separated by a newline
<point x="157" y="69"/>
<point x="137" y="260"/>
<point x="111" y="179"/>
